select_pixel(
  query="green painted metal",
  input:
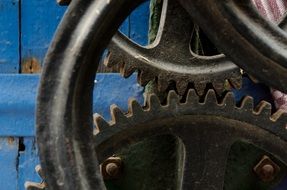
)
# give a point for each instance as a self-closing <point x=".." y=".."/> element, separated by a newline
<point x="243" y="157"/>
<point x="149" y="165"/>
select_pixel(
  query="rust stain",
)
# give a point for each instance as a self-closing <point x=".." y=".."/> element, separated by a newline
<point x="10" y="140"/>
<point x="31" y="66"/>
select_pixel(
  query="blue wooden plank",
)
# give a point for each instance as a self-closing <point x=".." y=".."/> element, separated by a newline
<point x="9" y="36"/>
<point x="17" y="102"/>
<point x="125" y="27"/>
<point x="39" y="19"/>
<point x="109" y="89"/>
<point x="28" y="160"/>
<point x="8" y="163"/>
<point x="113" y="89"/>
<point x="139" y="24"/>
<point x="258" y="91"/>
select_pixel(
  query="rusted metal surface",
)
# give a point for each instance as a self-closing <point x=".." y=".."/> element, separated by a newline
<point x="170" y="59"/>
<point x="239" y="31"/>
<point x="205" y="158"/>
<point x="31" y="66"/>
<point x="112" y="168"/>
<point x="266" y="169"/>
<point x="71" y="155"/>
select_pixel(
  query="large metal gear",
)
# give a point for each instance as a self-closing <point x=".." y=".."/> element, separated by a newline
<point x="207" y="129"/>
<point x="69" y="152"/>
<point x="170" y="59"/>
<point x="240" y="32"/>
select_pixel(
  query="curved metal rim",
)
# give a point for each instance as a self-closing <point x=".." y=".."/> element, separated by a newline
<point x="192" y="121"/>
<point x="64" y="112"/>
<point x="232" y="31"/>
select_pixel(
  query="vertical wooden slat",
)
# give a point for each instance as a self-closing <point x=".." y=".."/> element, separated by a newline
<point x="8" y="163"/>
<point x="39" y="20"/>
<point x="9" y="36"/>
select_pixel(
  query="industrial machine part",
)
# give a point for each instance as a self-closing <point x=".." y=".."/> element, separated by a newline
<point x="71" y="153"/>
<point x="207" y="130"/>
<point x="170" y="58"/>
<point x="255" y="44"/>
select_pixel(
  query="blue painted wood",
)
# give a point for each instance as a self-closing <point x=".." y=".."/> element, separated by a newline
<point x="258" y="91"/>
<point x="8" y="163"/>
<point x="139" y="24"/>
<point x="39" y="20"/>
<point x="113" y="89"/>
<point x="9" y="36"/>
<point x="125" y="27"/>
<point x="17" y="102"/>
<point x="109" y="89"/>
<point x="28" y="160"/>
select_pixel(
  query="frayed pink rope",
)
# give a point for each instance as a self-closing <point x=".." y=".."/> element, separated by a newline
<point x="274" y="10"/>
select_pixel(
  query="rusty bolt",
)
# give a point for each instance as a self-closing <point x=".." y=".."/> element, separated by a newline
<point x="266" y="169"/>
<point x="112" y="168"/>
<point x="64" y="2"/>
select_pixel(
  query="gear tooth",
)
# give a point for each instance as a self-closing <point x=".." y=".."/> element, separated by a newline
<point x="219" y="87"/>
<point x="210" y="97"/>
<point x="253" y="79"/>
<point x="144" y="77"/>
<point x="280" y="116"/>
<point x="134" y="107"/>
<point x="228" y="100"/>
<point x="200" y="88"/>
<point x="181" y="86"/>
<point x="247" y="103"/>
<point x="100" y="123"/>
<point x="162" y="83"/>
<point x="127" y="70"/>
<point x="192" y="97"/>
<point x="117" y="115"/>
<point x="236" y="82"/>
<point x="111" y="60"/>
<point x="263" y="108"/>
<point x="172" y="98"/>
<point x="153" y="101"/>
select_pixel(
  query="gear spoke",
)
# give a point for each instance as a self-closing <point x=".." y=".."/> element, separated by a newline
<point x="207" y="131"/>
<point x="174" y="34"/>
<point x="205" y="160"/>
<point x="170" y="58"/>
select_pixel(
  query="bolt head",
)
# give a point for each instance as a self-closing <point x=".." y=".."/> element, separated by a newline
<point x="112" y="168"/>
<point x="266" y="169"/>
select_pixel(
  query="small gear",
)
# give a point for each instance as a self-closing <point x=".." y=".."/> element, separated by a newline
<point x="207" y="129"/>
<point x="37" y="186"/>
<point x="170" y="59"/>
